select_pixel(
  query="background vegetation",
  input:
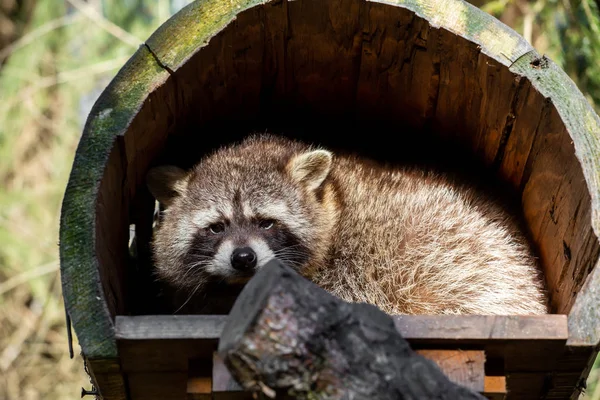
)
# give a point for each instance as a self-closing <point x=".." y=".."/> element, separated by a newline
<point x="56" y="56"/>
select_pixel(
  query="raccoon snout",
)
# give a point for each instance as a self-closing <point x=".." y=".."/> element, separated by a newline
<point x="243" y="259"/>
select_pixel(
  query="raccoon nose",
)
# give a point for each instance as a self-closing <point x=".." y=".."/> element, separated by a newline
<point x="243" y="259"/>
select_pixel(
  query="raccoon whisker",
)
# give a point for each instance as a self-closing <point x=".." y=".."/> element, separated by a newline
<point x="200" y="250"/>
<point x="288" y="258"/>
<point x="288" y="254"/>
<point x="185" y="275"/>
<point x="190" y="296"/>
<point x="200" y="258"/>
<point x="285" y="253"/>
<point x="200" y="246"/>
<point x="290" y="247"/>
<point x="289" y="262"/>
<point x="190" y="268"/>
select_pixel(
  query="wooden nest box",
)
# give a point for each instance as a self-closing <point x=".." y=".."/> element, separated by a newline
<point x="388" y="78"/>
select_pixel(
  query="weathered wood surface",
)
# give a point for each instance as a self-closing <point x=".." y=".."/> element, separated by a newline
<point x="108" y="378"/>
<point x="495" y="387"/>
<point x="285" y="333"/>
<point x="461" y="330"/>
<point x="439" y="66"/>
<point x="513" y="344"/>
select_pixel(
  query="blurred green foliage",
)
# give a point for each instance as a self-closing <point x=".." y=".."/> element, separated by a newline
<point x="568" y="31"/>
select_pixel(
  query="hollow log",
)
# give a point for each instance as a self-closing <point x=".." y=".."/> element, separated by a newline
<point x="448" y="81"/>
<point x="286" y="334"/>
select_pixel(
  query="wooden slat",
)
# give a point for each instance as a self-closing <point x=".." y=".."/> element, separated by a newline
<point x="584" y="318"/>
<point x="477" y="328"/>
<point x="459" y="329"/>
<point x="521" y="343"/>
<point x="108" y="379"/>
<point x="199" y="388"/>
<point x="157" y="385"/>
<point x="163" y="355"/>
<point x="495" y="387"/>
<point x="465" y="368"/>
<point x="149" y="327"/>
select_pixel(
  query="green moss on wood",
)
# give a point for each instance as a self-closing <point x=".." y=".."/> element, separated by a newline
<point x="191" y="29"/>
<point x="110" y="117"/>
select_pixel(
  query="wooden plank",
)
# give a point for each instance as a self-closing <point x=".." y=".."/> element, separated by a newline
<point x="520" y="344"/>
<point x="463" y="367"/>
<point x="199" y="388"/>
<point x="157" y="385"/>
<point x="108" y="378"/>
<point x="321" y="77"/>
<point x="556" y="207"/>
<point x="458" y="329"/>
<point x="495" y="387"/>
<point x="584" y="326"/>
<point x="480" y="328"/>
<point x="526" y="343"/>
<point x="526" y="386"/>
<point x="163" y="355"/>
<point x="396" y="46"/>
<point x="148" y="327"/>
<point x="112" y="231"/>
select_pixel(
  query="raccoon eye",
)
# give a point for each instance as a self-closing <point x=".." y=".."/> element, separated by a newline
<point x="266" y="224"/>
<point x="216" y="228"/>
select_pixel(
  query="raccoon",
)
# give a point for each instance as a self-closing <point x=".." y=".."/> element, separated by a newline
<point x="405" y="240"/>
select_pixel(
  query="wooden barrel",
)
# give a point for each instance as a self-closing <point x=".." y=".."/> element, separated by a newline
<point x="440" y="77"/>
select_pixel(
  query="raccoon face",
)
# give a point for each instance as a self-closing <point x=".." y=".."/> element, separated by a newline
<point x="237" y="210"/>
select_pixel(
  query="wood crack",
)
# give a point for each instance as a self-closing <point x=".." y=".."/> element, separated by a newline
<point x="509" y="123"/>
<point x="531" y="156"/>
<point x="434" y="89"/>
<point x="363" y="15"/>
<point x="158" y="61"/>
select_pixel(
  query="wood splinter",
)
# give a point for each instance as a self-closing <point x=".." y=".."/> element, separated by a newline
<point x="287" y="335"/>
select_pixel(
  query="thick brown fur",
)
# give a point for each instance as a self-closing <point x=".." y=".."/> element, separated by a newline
<point x="407" y="241"/>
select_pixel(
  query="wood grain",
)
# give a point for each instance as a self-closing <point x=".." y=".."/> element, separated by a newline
<point x="460" y="329"/>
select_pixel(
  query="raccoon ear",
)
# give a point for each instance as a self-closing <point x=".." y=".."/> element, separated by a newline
<point x="166" y="183"/>
<point x="311" y="168"/>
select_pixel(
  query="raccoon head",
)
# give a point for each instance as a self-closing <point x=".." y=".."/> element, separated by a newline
<point x="239" y="208"/>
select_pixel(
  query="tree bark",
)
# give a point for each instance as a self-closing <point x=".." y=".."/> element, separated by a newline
<point x="285" y="334"/>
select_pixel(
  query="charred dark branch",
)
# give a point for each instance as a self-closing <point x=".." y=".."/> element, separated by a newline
<point x="285" y="334"/>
